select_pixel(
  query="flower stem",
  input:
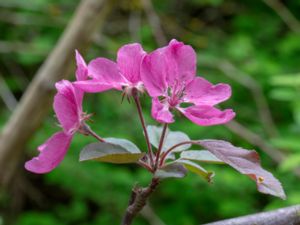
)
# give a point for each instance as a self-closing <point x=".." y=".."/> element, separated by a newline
<point x="166" y="153"/>
<point x="161" y="142"/>
<point x="96" y="136"/>
<point x="140" y="112"/>
<point x="138" y="199"/>
<point x="146" y="165"/>
<point x="88" y="131"/>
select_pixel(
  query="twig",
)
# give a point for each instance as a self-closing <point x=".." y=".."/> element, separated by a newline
<point x="149" y="214"/>
<point x="255" y="140"/>
<point x="23" y="5"/>
<point x="134" y="25"/>
<point x="6" y="95"/>
<point x="283" y="216"/>
<point x="235" y="74"/>
<point x="154" y="22"/>
<point x="283" y="12"/>
<point x="17" y="72"/>
<point x="20" y="47"/>
<point x="138" y="200"/>
<point x="247" y="81"/>
<point x="20" y="19"/>
<point x="36" y="101"/>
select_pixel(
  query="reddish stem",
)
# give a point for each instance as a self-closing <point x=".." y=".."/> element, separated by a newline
<point x="146" y="165"/>
<point x="97" y="136"/>
<point x="161" y="142"/>
<point x="140" y="112"/>
<point x="166" y="153"/>
<point x="87" y="130"/>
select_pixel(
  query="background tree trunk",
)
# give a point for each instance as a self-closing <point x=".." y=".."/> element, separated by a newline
<point x="36" y="101"/>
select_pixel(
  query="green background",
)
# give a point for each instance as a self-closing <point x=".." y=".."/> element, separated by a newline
<point x="249" y="36"/>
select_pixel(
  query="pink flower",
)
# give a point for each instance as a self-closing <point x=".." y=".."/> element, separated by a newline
<point x="51" y="154"/>
<point x="68" y="108"/>
<point x="81" y="70"/>
<point x="169" y="76"/>
<point x="106" y="74"/>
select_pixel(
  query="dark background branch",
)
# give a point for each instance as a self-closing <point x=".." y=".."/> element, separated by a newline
<point x="284" y="216"/>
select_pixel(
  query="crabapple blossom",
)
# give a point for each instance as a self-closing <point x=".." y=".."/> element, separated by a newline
<point x="169" y="76"/>
<point x="106" y="74"/>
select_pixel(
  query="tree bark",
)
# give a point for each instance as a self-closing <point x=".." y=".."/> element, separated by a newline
<point x="35" y="102"/>
<point x="138" y="200"/>
<point x="284" y="216"/>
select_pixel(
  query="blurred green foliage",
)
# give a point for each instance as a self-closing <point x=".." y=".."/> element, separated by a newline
<point x="248" y="34"/>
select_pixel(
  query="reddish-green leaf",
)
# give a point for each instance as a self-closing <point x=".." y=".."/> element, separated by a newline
<point x="246" y="162"/>
<point x="201" y="156"/>
<point x="197" y="169"/>
<point x="175" y="170"/>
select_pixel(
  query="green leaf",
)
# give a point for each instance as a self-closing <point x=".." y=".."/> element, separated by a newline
<point x="154" y="133"/>
<point x="109" y="152"/>
<point x="195" y="168"/>
<point x="172" y="138"/>
<point x="171" y="156"/>
<point x="128" y="145"/>
<point x="200" y="155"/>
<point x="175" y="170"/>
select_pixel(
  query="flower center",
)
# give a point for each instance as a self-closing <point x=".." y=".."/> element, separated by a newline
<point x="176" y="93"/>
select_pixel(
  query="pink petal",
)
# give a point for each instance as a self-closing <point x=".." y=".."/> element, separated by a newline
<point x="79" y="59"/>
<point x="81" y="71"/>
<point x="161" y="112"/>
<point x="105" y="71"/>
<point x="67" y="89"/>
<point x="74" y="94"/>
<point x="154" y="70"/>
<point x="181" y="61"/>
<point x="94" y="86"/>
<point x="207" y="115"/>
<point x="68" y="105"/>
<point x="51" y="154"/>
<point x="129" y="61"/>
<point x="201" y="92"/>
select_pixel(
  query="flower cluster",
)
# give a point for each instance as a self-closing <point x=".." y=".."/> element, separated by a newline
<point x="167" y="74"/>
